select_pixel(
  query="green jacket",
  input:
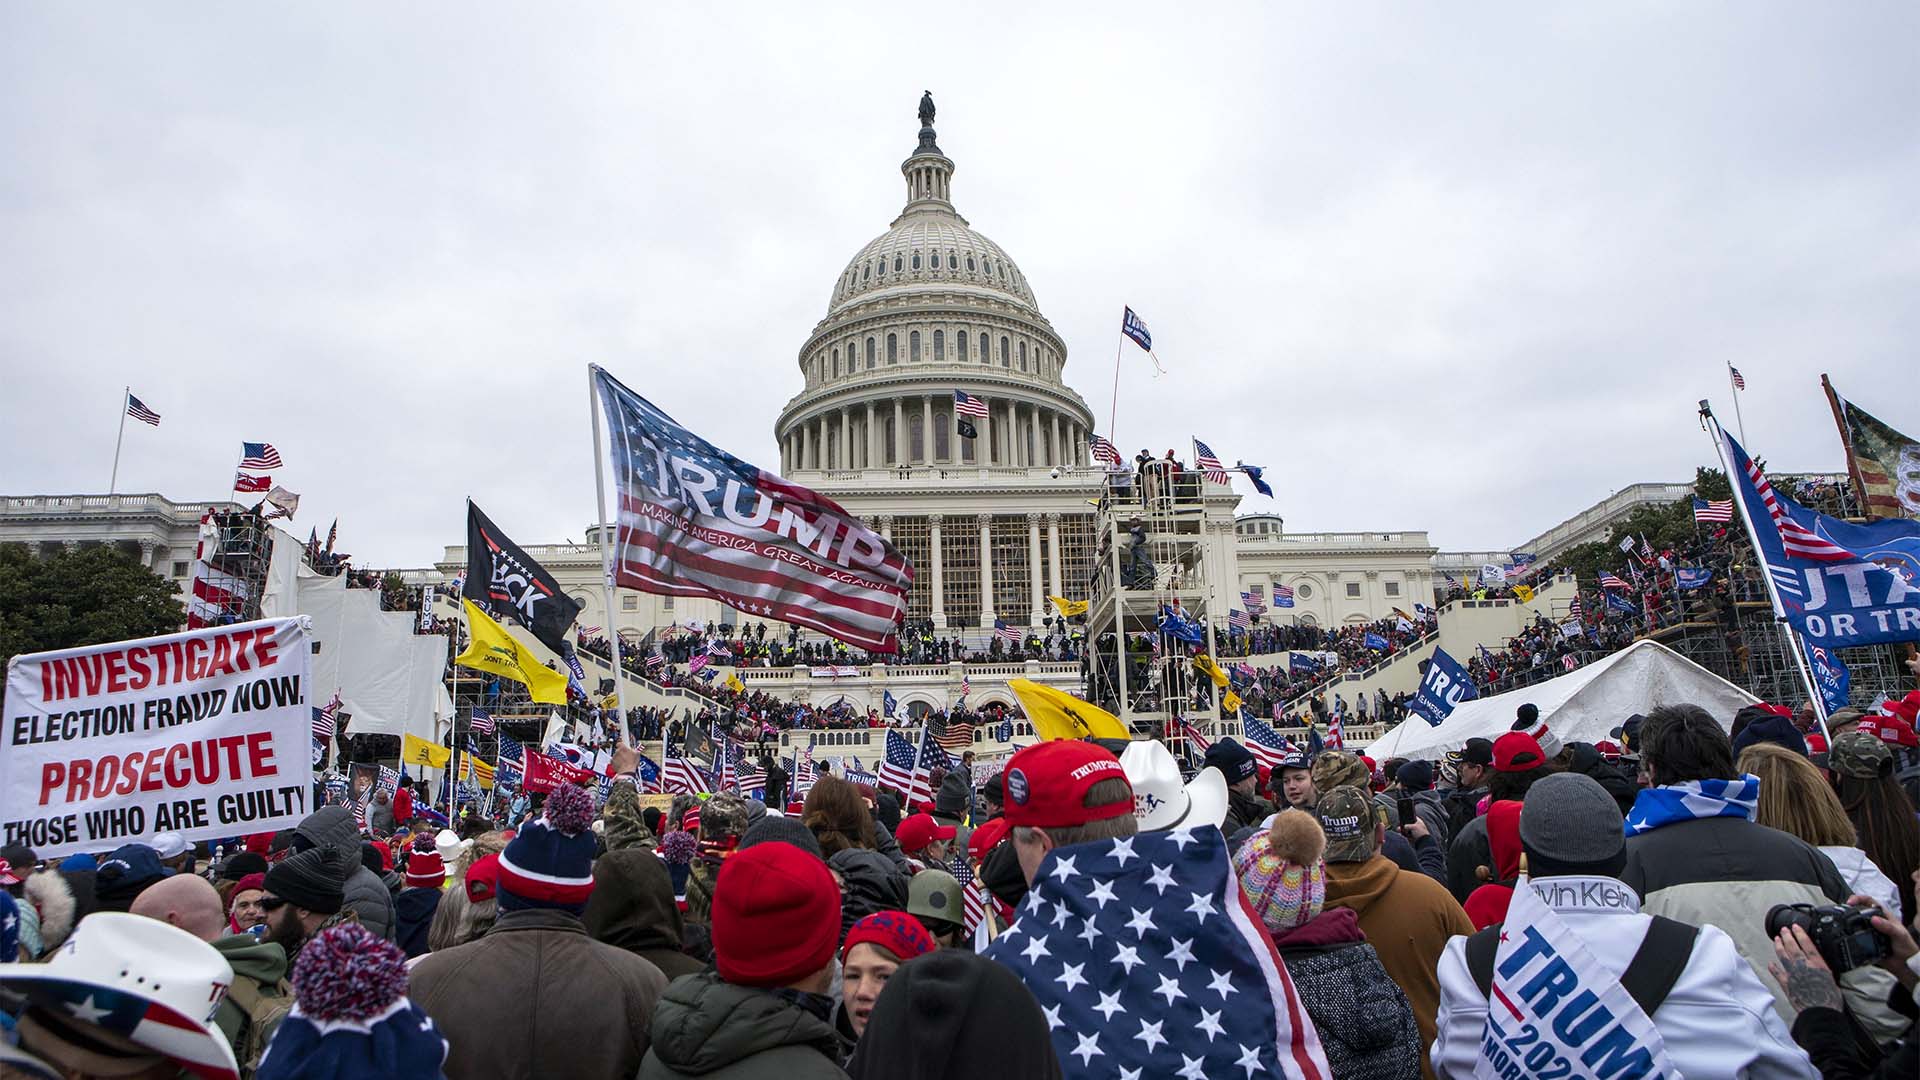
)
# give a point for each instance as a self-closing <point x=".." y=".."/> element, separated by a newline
<point x="259" y="998"/>
<point x="705" y="1027"/>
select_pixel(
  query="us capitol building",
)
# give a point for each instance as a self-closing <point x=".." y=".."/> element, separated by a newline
<point x="993" y="525"/>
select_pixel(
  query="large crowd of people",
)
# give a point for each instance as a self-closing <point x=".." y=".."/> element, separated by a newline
<point x="849" y="928"/>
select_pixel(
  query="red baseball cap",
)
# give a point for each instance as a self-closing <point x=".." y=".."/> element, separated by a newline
<point x="1517" y="751"/>
<point x="1047" y="784"/>
<point x="919" y="830"/>
<point x="982" y="839"/>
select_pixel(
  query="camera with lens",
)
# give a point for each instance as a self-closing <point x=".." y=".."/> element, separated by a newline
<point x="1844" y="935"/>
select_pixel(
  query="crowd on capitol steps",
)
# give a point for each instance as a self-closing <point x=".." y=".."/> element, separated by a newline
<point x="1701" y="896"/>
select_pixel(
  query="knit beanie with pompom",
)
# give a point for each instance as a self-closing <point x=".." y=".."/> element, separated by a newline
<point x="1282" y="871"/>
<point x="351" y="1016"/>
<point x="549" y="863"/>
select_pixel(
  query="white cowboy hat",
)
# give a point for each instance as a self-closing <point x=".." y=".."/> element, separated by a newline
<point x="1162" y="800"/>
<point x="141" y="979"/>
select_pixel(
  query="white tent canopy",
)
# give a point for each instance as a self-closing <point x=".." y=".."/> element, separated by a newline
<point x="1584" y="705"/>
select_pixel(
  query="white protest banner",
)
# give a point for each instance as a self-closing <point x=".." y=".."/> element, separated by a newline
<point x="204" y="733"/>
<point x="1554" y="1010"/>
<point x="833" y="671"/>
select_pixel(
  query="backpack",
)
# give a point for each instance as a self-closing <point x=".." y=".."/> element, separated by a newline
<point x="260" y="1014"/>
<point x="1650" y="975"/>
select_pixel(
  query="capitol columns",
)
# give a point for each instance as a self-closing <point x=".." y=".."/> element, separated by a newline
<point x="926" y="429"/>
<point x="1033" y="568"/>
<point x="897" y="452"/>
<point x="938" y="584"/>
<point x="986" y="570"/>
<point x="1056" y="449"/>
<point x="147" y="548"/>
<point x="1053" y="553"/>
<point x="806" y="444"/>
<point x="873" y="442"/>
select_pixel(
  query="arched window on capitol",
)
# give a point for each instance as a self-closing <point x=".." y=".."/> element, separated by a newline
<point x="1006" y="351"/>
<point x="893" y="349"/>
<point x="939" y="347"/>
<point x="870" y="360"/>
<point x="916" y="260"/>
<point x="960" y="346"/>
<point x="913" y="346"/>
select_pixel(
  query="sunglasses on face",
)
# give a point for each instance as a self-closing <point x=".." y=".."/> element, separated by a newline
<point x="272" y="903"/>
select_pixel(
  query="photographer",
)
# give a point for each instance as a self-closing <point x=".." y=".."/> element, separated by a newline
<point x="1823" y="1028"/>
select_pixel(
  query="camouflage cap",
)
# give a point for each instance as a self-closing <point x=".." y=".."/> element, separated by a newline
<point x="1346" y="815"/>
<point x="723" y="815"/>
<point x="1334" y="768"/>
<point x="1860" y="755"/>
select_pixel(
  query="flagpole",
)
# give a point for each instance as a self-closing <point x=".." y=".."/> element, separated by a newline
<point x="126" y="395"/>
<point x="1766" y="572"/>
<point x="606" y="554"/>
<point x="1113" y="412"/>
<point x="1737" y="418"/>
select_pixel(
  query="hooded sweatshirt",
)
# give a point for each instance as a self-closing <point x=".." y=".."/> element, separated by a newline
<point x="632" y="908"/>
<point x="1408" y="918"/>
<point x="953" y="1013"/>
<point x="259" y="972"/>
<point x="413" y="910"/>
<point x="367" y="895"/>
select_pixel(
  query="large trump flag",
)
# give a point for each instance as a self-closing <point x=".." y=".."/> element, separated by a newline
<point x="696" y="521"/>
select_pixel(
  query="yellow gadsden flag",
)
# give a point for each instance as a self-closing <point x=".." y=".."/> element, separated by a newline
<point x="1204" y="664"/>
<point x="734" y="684"/>
<point x="1068" y="608"/>
<point x="1524" y="593"/>
<point x="491" y="648"/>
<point x="1059" y="715"/>
<point x="415" y="750"/>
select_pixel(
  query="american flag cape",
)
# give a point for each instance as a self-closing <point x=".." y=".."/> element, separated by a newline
<point x="696" y="521"/>
<point x="1147" y="962"/>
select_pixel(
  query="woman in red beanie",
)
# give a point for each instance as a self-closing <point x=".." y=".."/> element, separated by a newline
<point x="875" y="946"/>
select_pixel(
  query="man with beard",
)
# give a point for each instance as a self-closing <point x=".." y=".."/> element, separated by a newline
<point x="305" y="894"/>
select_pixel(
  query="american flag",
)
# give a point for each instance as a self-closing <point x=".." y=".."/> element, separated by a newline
<point x="1282" y="595"/>
<point x="1268" y="746"/>
<point x="955" y="735"/>
<point x="510" y="750"/>
<point x="1005" y="631"/>
<point x="259" y="455"/>
<point x="900" y="769"/>
<point x="1719" y="510"/>
<point x="1336" y="737"/>
<point x="1189" y="986"/>
<point x="1209" y="463"/>
<point x="1796" y="540"/>
<point x="752" y="780"/>
<point x="966" y="687"/>
<point x="1104" y="452"/>
<point x="680" y="776"/>
<point x="656" y="659"/>
<point x="590" y="631"/>
<point x="1612" y="581"/>
<point x="730" y="754"/>
<point x="1239" y="620"/>
<point x="1569" y="662"/>
<point x="1739" y="380"/>
<point x="806" y="561"/>
<point x="1193" y="734"/>
<point x="140" y="412"/>
<point x="967" y="405"/>
<point x="1576" y="611"/>
<point x="482" y="722"/>
<point x="323" y="726"/>
<point x="1253" y="598"/>
<point x="975" y="898"/>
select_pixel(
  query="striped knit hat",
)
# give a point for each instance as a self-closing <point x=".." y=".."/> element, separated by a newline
<point x="1282" y="872"/>
<point x="549" y="864"/>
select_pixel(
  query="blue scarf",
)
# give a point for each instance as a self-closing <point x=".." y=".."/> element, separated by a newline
<point x="1691" y="800"/>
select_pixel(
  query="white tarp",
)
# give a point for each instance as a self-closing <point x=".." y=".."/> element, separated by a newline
<point x="1584" y="705"/>
<point x="389" y="678"/>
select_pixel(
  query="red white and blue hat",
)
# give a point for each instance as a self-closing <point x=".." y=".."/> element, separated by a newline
<point x="549" y="864"/>
<point x="142" y="979"/>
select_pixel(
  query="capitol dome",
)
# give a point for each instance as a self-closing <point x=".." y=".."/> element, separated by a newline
<point x="929" y="307"/>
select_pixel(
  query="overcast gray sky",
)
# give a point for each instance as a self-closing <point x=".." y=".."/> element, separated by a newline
<point x="1460" y="268"/>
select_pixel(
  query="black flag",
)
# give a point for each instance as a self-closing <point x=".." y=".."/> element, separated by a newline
<point x="502" y="577"/>
<point x="966" y="429"/>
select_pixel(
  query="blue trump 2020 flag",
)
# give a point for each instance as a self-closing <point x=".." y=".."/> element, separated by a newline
<point x="1375" y="641"/>
<point x="1445" y="685"/>
<point x="1146" y="962"/>
<point x="1132" y="326"/>
<point x="1689" y="578"/>
<point x="1830" y="675"/>
<point x="1837" y="583"/>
